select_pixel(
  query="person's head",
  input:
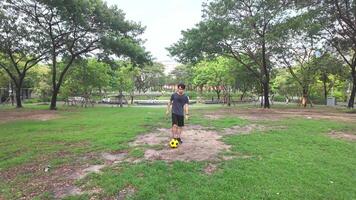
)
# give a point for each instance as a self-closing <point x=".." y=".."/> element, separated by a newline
<point x="181" y="88"/>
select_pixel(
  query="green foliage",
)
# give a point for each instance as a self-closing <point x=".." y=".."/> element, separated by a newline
<point x="123" y="79"/>
<point x="284" y="84"/>
<point x="68" y="30"/>
<point x="86" y="77"/>
<point x="182" y="74"/>
<point x="150" y="76"/>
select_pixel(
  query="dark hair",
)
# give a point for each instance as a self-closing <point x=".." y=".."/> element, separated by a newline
<point x="181" y="85"/>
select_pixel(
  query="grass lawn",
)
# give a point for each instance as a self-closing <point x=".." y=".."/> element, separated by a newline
<point x="298" y="161"/>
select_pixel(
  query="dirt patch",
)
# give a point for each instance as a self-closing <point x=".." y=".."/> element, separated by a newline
<point x="13" y="115"/>
<point x="198" y="144"/>
<point x="158" y="137"/>
<point x="128" y="191"/>
<point x="255" y="114"/>
<point x="114" y="157"/>
<point x="342" y="135"/>
<point x="210" y="169"/>
<point x="69" y="190"/>
<point x="84" y="172"/>
<point x="33" y="180"/>
<point x="214" y="117"/>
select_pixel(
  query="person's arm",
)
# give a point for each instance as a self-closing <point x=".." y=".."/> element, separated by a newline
<point x="186" y="109"/>
<point x="169" y="106"/>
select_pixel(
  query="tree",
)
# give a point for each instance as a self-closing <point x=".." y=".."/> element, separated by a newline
<point x="216" y="74"/>
<point x="40" y="78"/>
<point x="150" y="76"/>
<point x="183" y="74"/>
<point x="123" y="80"/>
<point x="284" y="84"/>
<point x="239" y="29"/>
<point x="87" y="77"/>
<point x="298" y="54"/>
<point x="72" y="29"/>
<point x="244" y="80"/>
<point x="329" y="68"/>
<point x="339" y="29"/>
<point x="19" y="46"/>
<point x="4" y="84"/>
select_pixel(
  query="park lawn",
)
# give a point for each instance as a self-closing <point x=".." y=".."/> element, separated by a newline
<point x="299" y="161"/>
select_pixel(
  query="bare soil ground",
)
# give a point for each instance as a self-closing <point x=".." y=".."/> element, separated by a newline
<point x="277" y="114"/>
<point x="12" y="115"/>
<point x="343" y="135"/>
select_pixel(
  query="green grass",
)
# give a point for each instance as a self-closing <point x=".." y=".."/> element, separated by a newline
<point x="85" y="130"/>
<point x="220" y="123"/>
<point x="300" y="162"/>
<point x="296" y="162"/>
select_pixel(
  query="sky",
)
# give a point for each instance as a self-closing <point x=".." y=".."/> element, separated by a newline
<point x="164" y="20"/>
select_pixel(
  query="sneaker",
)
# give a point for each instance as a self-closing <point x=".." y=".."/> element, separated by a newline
<point x="180" y="141"/>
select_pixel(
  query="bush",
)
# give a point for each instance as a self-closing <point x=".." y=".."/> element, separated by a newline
<point x="279" y="98"/>
<point x="33" y="100"/>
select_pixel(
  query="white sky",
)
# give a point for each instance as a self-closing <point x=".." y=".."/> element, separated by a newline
<point x="164" y="21"/>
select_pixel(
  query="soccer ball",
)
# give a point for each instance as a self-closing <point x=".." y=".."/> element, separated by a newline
<point x="173" y="143"/>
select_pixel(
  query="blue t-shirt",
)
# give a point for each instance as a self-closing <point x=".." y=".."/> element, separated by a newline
<point x="178" y="102"/>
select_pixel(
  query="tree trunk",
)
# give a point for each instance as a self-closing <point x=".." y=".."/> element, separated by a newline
<point x="53" y="105"/>
<point x="120" y="99"/>
<point x="54" y="75"/>
<point x="18" y="97"/>
<point x="12" y="93"/>
<point x="325" y="89"/>
<point x="18" y="91"/>
<point x="353" y="91"/>
<point x="266" y="93"/>
<point x="218" y="94"/>
<point x="305" y="97"/>
<point x="265" y="81"/>
<point x="243" y="94"/>
<point x="228" y="97"/>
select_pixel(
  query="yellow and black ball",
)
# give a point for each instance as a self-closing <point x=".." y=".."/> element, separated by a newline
<point x="174" y="143"/>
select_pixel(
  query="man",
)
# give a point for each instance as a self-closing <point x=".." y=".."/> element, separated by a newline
<point x="178" y="104"/>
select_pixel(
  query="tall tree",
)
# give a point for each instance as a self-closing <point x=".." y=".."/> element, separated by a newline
<point x="297" y="55"/>
<point x="150" y="76"/>
<point x="72" y="29"/>
<point x="329" y="68"/>
<point x="339" y="21"/>
<point x="19" y="46"/>
<point x="87" y="77"/>
<point x="244" y="80"/>
<point x="216" y="74"/>
<point x="237" y="28"/>
<point x="284" y="84"/>
<point x="123" y="81"/>
<point x="183" y="74"/>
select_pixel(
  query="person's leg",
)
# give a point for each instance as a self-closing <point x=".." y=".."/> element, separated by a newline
<point x="180" y="128"/>
<point x="174" y="131"/>
<point x="179" y="133"/>
<point x="174" y="126"/>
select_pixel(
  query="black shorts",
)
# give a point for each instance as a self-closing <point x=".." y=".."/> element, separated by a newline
<point x="178" y="120"/>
